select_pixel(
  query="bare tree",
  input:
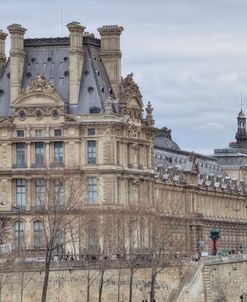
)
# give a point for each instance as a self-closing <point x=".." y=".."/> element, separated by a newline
<point x="166" y="247"/>
<point x="58" y="214"/>
<point x="4" y="277"/>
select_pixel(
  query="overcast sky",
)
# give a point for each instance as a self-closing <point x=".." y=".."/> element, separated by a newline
<point x="189" y="57"/>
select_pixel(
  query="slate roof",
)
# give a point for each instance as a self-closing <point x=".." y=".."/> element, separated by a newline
<point x="50" y="56"/>
<point x="164" y="140"/>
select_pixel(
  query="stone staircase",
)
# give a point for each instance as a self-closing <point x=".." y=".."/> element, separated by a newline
<point x="206" y="284"/>
<point x="187" y="279"/>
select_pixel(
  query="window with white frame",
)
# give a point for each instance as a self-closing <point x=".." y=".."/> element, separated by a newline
<point x="92" y="190"/>
<point x="20" y="193"/>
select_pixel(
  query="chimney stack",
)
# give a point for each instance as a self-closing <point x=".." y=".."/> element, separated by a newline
<point x="2" y="50"/>
<point x="75" y="59"/>
<point x="17" y="56"/>
<point x="111" y="54"/>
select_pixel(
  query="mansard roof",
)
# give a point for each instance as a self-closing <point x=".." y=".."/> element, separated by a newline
<point x="50" y="57"/>
<point x="164" y="140"/>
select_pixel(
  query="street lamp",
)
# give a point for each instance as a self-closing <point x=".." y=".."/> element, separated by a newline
<point x="215" y="235"/>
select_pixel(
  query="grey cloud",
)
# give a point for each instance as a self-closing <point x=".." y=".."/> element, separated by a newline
<point x="189" y="57"/>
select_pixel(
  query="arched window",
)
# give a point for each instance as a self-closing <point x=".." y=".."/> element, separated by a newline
<point x="19" y="235"/>
<point x="38" y="234"/>
<point x="58" y="243"/>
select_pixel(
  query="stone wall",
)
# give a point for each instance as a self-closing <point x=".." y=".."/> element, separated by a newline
<point x="69" y="283"/>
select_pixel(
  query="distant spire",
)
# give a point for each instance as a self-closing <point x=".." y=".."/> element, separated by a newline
<point x="241" y="104"/>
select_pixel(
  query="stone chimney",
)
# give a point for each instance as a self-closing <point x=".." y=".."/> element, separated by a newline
<point x="111" y="54"/>
<point x="16" y="59"/>
<point x="75" y="60"/>
<point x="2" y="50"/>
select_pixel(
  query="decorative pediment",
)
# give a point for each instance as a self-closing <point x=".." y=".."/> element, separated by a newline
<point x="131" y="98"/>
<point x="40" y="84"/>
<point x="130" y="92"/>
<point x="40" y="92"/>
<point x="38" y="100"/>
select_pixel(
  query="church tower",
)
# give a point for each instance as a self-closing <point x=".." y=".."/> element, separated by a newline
<point x="241" y="135"/>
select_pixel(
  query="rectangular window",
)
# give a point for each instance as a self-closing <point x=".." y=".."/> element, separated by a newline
<point x="92" y="190"/>
<point x="20" y="133"/>
<point x="39" y="193"/>
<point x="58" y="152"/>
<point x="20" y="193"/>
<point x="92" y="239"/>
<point x="39" y="132"/>
<point x="91" y="131"/>
<point x="58" y="132"/>
<point x="59" y="192"/>
<point x="20" y="154"/>
<point x="91" y="152"/>
<point x="39" y="154"/>
<point x="19" y="235"/>
<point x="38" y="234"/>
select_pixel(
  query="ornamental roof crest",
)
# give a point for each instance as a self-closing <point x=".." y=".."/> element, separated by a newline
<point x="40" y="84"/>
<point x="129" y="89"/>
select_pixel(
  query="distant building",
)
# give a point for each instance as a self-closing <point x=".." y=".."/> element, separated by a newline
<point x="234" y="158"/>
<point x="169" y="156"/>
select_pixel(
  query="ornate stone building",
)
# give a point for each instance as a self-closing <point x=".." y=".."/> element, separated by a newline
<point x="67" y="113"/>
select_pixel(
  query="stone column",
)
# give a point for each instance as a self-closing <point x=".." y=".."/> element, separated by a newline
<point x="28" y="154"/>
<point x="47" y="154"/>
<point x="16" y="59"/>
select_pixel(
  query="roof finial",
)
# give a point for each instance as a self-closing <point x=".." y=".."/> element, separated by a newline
<point x="241" y="104"/>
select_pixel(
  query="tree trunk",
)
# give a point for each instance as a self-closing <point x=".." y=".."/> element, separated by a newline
<point x="22" y="285"/>
<point x="101" y="284"/>
<point x="47" y="271"/>
<point x="153" y="280"/>
<point x="131" y="285"/>
<point x="118" y="286"/>
<point x="88" y="292"/>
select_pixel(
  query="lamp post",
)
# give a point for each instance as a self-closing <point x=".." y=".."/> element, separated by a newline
<point x="214" y="235"/>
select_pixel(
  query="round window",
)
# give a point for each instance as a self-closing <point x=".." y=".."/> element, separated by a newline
<point x="39" y="114"/>
<point x="55" y="114"/>
<point x="22" y="115"/>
